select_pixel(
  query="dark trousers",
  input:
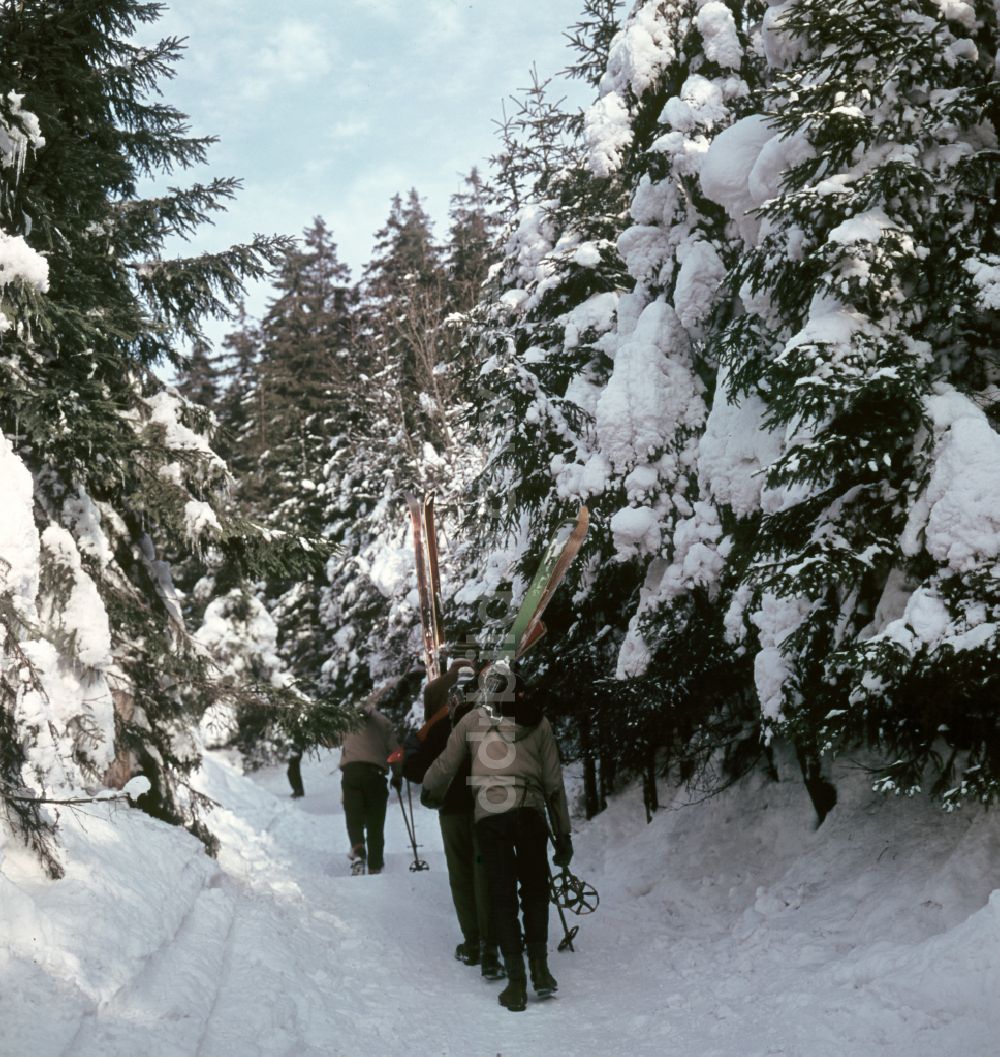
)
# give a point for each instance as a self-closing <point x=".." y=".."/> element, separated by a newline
<point x="294" y="773"/>
<point x="467" y="877"/>
<point x="513" y="846"/>
<point x="365" y="797"/>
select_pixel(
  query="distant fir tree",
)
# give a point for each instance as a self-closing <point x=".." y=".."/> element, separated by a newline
<point x="398" y="442"/>
<point x="472" y="242"/>
<point x="100" y="460"/>
<point x="239" y="411"/>
<point x="403" y="298"/>
<point x="198" y="379"/>
<point x="308" y="395"/>
<point x="408" y="436"/>
<point x="305" y="380"/>
<point x="292" y="389"/>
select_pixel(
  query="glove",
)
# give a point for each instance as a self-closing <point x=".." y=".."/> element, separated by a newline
<point x="396" y="781"/>
<point x="564" y="851"/>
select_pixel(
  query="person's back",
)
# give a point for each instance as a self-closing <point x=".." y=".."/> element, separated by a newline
<point x="444" y="708"/>
<point x="517" y="777"/>
<point x="364" y="754"/>
<point x="514" y="764"/>
<point x="371" y="742"/>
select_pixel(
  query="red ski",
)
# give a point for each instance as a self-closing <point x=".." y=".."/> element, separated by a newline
<point x="428" y="581"/>
<point x="433" y="577"/>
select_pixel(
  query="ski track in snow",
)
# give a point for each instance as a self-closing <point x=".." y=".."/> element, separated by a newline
<point x="732" y="928"/>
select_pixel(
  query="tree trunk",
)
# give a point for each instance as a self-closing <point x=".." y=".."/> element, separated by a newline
<point x="592" y="800"/>
<point x="650" y="797"/>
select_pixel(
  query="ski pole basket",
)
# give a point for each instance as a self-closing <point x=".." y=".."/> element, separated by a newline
<point x="566" y="943"/>
<point x="573" y="894"/>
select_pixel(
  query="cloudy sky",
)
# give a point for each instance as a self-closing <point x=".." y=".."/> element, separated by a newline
<point x="332" y="106"/>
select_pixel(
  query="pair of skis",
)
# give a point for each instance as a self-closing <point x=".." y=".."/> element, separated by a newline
<point x="428" y="581"/>
<point x="432" y="630"/>
<point x="527" y="628"/>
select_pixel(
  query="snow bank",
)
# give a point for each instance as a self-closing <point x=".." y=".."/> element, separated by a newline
<point x="744" y="931"/>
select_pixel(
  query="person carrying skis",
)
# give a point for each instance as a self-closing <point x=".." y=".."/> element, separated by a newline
<point x="517" y="780"/>
<point x="466" y="872"/>
<point x="363" y="756"/>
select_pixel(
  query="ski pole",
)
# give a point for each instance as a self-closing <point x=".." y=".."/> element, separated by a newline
<point x="411" y="830"/>
<point x="566" y="943"/>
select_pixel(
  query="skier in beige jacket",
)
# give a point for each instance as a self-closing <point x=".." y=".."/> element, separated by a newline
<point x="363" y="766"/>
<point x="518" y="784"/>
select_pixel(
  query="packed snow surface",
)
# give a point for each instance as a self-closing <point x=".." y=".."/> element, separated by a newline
<point x="727" y="928"/>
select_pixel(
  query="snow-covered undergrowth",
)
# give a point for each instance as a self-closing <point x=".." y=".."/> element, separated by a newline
<point x="729" y="928"/>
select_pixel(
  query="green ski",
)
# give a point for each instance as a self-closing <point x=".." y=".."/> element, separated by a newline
<point x="528" y="628"/>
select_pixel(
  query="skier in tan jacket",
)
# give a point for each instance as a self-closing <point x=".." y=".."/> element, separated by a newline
<point x="517" y="781"/>
<point x="363" y="756"/>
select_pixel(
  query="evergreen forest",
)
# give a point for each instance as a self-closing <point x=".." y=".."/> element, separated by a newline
<point x="744" y="306"/>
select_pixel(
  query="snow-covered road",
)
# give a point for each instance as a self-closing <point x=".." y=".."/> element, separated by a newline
<point x="728" y="929"/>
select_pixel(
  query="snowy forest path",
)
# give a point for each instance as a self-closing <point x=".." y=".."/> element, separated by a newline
<point x="171" y="998"/>
<point x="733" y="928"/>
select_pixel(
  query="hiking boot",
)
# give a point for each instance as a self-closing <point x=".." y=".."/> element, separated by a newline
<point x="357" y="857"/>
<point x="467" y="953"/>
<point x="515" y="995"/>
<point x="489" y="961"/>
<point x="542" y="980"/>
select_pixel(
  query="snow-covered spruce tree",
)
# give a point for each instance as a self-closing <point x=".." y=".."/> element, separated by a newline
<point x="382" y="453"/>
<point x="242" y="638"/>
<point x="99" y="459"/>
<point x="538" y="367"/>
<point x="618" y="377"/>
<point x="677" y="74"/>
<point x="871" y="590"/>
<point x="305" y="380"/>
<point x="289" y="390"/>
